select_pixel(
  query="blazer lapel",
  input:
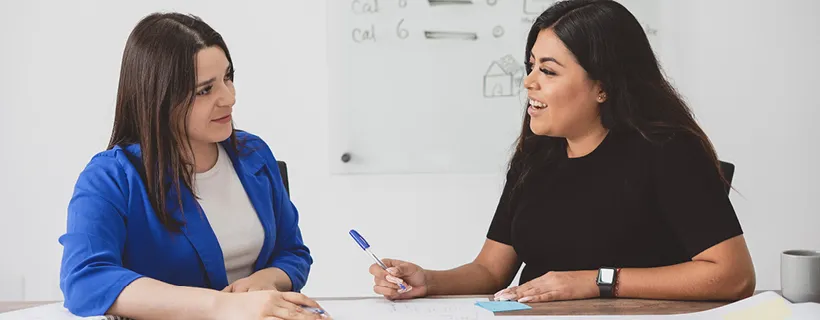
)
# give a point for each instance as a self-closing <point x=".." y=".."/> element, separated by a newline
<point x="199" y="232"/>
<point x="195" y="228"/>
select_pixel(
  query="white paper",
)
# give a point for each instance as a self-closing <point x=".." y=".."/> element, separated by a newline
<point x="805" y="311"/>
<point x="433" y="309"/>
<point x="765" y="305"/>
<point x="591" y="317"/>
<point x="54" y="311"/>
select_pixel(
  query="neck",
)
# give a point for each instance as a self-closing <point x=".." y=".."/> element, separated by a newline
<point x="586" y="142"/>
<point x="204" y="155"/>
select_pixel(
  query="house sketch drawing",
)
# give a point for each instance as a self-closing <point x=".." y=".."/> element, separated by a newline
<point x="503" y="78"/>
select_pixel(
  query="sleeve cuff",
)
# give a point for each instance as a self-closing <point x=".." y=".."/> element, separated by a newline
<point x="113" y="292"/>
<point x="296" y="280"/>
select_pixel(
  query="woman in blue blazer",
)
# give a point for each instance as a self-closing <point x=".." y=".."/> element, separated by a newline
<point x="183" y="216"/>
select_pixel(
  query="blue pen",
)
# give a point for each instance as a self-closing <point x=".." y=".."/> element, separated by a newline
<point x="315" y="310"/>
<point x="366" y="247"/>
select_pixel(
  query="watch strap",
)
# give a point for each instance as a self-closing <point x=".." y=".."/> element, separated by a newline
<point x="606" y="290"/>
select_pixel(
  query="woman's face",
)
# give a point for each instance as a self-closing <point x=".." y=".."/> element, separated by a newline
<point x="563" y="101"/>
<point x="209" y="120"/>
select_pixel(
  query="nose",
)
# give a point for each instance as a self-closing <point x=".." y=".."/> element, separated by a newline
<point x="227" y="95"/>
<point x="530" y="82"/>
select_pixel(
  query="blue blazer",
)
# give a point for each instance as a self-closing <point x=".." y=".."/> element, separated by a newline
<point x="113" y="236"/>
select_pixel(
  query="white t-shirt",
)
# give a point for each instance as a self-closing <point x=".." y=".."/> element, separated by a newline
<point x="231" y="215"/>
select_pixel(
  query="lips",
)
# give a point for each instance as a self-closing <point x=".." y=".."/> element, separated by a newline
<point x="536" y="107"/>
<point x="537" y="104"/>
<point x="224" y="119"/>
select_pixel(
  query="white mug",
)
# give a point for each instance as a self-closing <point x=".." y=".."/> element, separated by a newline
<point x="800" y="275"/>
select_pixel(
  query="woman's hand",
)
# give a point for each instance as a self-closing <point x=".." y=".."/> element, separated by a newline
<point x="555" y="285"/>
<point x="265" y="279"/>
<point x="254" y="282"/>
<point x="399" y="272"/>
<point x="266" y="305"/>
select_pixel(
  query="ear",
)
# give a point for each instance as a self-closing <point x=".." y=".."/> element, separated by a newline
<point x="600" y="94"/>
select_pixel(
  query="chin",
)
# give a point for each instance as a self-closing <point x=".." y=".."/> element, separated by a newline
<point x="222" y="135"/>
<point x="540" y="130"/>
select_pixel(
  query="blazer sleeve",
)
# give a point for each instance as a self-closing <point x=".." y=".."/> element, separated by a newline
<point x="289" y="252"/>
<point x="91" y="272"/>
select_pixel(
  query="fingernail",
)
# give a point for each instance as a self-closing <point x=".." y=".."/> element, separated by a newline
<point x="525" y="299"/>
<point x="394" y="279"/>
<point x="393" y="271"/>
<point x="406" y="289"/>
<point x="505" y="297"/>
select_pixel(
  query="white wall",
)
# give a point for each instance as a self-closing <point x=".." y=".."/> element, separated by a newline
<point x="748" y="73"/>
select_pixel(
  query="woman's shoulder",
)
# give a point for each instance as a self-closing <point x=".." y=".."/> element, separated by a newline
<point x="247" y="137"/>
<point x="663" y="150"/>
<point x="109" y="174"/>
<point x="250" y="144"/>
<point x="116" y="159"/>
<point x="676" y="150"/>
<point x="679" y="142"/>
<point x="661" y="142"/>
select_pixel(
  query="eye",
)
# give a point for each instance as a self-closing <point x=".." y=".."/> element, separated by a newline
<point x="547" y="72"/>
<point x="229" y="76"/>
<point x="205" y="90"/>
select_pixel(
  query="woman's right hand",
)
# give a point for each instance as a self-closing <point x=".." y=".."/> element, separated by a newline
<point x="265" y="305"/>
<point x="387" y="282"/>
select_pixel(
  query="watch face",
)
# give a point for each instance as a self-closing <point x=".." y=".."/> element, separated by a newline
<point x="606" y="276"/>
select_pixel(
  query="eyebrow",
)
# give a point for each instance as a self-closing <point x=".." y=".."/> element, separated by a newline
<point x="546" y="59"/>
<point x="206" y="82"/>
<point x="211" y="80"/>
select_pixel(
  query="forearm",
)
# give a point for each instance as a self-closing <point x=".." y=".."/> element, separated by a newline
<point x="693" y="280"/>
<point x="147" y="298"/>
<point x="471" y="278"/>
<point x="277" y="277"/>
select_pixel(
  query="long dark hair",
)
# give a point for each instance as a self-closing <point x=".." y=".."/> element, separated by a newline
<point x="155" y="95"/>
<point x="610" y="44"/>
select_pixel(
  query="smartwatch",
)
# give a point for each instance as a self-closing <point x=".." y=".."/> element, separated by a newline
<point x="606" y="281"/>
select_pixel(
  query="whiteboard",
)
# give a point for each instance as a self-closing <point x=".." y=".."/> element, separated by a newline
<point x="431" y="86"/>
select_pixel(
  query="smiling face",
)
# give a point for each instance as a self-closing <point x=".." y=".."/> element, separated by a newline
<point x="563" y="101"/>
<point x="209" y="120"/>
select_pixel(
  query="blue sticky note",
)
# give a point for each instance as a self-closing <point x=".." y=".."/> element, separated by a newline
<point x="501" y="306"/>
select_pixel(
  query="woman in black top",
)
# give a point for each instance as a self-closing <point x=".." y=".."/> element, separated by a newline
<point x="610" y="171"/>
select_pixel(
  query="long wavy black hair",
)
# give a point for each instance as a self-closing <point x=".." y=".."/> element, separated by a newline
<point x="610" y="44"/>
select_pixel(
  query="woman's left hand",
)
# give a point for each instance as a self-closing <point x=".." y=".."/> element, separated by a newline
<point x="254" y="282"/>
<point x="553" y="286"/>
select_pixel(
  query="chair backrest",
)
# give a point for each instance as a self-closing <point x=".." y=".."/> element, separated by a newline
<point x="283" y="171"/>
<point x="728" y="170"/>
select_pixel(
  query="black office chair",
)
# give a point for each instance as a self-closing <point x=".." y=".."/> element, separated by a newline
<point x="728" y="170"/>
<point x="283" y="171"/>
